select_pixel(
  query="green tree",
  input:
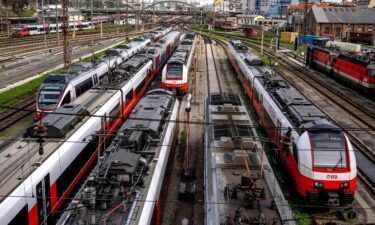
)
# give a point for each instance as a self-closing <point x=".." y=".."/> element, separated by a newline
<point x="16" y="5"/>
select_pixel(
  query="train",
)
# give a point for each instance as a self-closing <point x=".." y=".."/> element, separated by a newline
<point x="71" y="140"/>
<point x="318" y="156"/>
<point x="360" y="37"/>
<point x="36" y="29"/>
<point x="128" y="171"/>
<point x="358" y="71"/>
<point x="64" y="87"/>
<point x="176" y="71"/>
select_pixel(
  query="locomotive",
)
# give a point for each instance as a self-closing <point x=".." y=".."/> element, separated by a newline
<point x="175" y="73"/>
<point x="59" y="89"/>
<point x="316" y="153"/>
<point x="128" y="169"/>
<point x="354" y="70"/>
<point x="74" y="137"/>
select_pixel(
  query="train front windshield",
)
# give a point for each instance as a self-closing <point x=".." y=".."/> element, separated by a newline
<point x="174" y="71"/>
<point x="49" y="96"/>
<point x="329" y="149"/>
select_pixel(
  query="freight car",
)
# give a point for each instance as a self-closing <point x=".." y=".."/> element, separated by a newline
<point x="360" y="37"/>
<point x="317" y="154"/>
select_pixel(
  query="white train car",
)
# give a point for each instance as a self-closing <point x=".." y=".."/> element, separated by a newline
<point x="68" y="153"/>
<point x="316" y="153"/>
<point x="37" y="29"/>
<point x="130" y="165"/>
<point x="175" y="73"/>
<point x="59" y="89"/>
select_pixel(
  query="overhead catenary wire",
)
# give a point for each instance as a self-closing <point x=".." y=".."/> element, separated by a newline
<point x="195" y="122"/>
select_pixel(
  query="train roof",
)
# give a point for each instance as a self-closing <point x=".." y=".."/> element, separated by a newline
<point x="292" y="103"/>
<point x="133" y="65"/>
<point x="130" y="162"/>
<point x="181" y="55"/>
<point x="20" y="158"/>
<point x="234" y="155"/>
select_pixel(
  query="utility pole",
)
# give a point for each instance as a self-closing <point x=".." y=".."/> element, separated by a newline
<point x="117" y="15"/>
<point x="142" y="17"/>
<point x="261" y="44"/>
<point x="92" y="11"/>
<point x="57" y="25"/>
<point x="126" y="20"/>
<point x="65" y="26"/>
<point x="305" y="23"/>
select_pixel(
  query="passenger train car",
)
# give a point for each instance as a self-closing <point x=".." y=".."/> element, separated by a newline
<point x="357" y="71"/>
<point x="129" y="166"/>
<point x="175" y="73"/>
<point x="63" y="88"/>
<point x="37" y="186"/>
<point x="36" y="29"/>
<point x="316" y="153"/>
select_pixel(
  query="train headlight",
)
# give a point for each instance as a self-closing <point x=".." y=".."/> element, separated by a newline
<point x="318" y="184"/>
<point x="344" y="185"/>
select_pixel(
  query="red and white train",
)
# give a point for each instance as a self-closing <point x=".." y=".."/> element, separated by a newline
<point x="59" y="89"/>
<point x="34" y="187"/>
<point x="36" y="29"/>
<point x="175" y="73"/>
<point x="317" y="154"/>
<point x="357" y="71"/>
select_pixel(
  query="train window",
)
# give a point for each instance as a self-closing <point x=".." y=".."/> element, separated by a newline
<point x="256" y="95"/>
<point x="129" y="96"/>
<point x="22" y="218"/>
<point x="372" y="73"/>
<point x="114" y="113"/>
<point x="140" y="87"/>
<point x="328" y="149"/>
<point x="49" y="96"/>
<point x="174" y="71"/>
<point x="66" y="99"/>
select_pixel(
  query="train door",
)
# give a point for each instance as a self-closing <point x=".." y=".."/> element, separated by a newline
<point x="261" y="111"/>
<point x="96" y="81"/>
<point x="43" y="196"/>
<point x="278" y="133"/>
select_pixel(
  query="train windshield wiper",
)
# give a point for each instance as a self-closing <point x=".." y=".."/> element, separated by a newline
<point x="339" y="162"/>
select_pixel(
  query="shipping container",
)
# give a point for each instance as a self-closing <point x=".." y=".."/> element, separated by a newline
<point x="288" y="37"/>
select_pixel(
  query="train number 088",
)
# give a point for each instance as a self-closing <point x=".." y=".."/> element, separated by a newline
<point x="332" y="176"/>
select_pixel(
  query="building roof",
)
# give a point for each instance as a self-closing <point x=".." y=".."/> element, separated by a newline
<point x="352" y="15"/>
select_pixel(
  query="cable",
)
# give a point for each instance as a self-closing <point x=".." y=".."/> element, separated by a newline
<point x="158" y="145"/>
<point x="194" y="122"/>
<point x="176" y="201"/>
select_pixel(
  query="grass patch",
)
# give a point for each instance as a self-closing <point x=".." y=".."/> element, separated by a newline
<point x="348" y="217"/>
<point x="21" y="13"/>
<point x="301" y="217"/>
<point x="11" y="97"/>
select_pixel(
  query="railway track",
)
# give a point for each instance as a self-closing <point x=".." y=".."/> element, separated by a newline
<point x="24" y="46"/>
<point x="12" y="116"/>
<point x="365" y="116"/>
